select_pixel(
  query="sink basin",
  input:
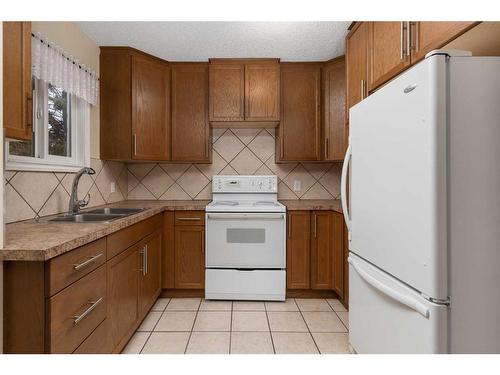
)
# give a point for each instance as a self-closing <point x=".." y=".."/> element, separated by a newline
<point x="87" y="218"/>
<point x="115" y="211"/>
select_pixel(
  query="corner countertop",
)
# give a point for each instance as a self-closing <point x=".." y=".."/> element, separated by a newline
<point x="41" y="240"/>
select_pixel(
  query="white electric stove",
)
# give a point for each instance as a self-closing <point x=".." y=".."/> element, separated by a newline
<point x="245" y="240"/>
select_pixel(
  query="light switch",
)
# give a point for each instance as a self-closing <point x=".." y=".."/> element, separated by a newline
<point x="113" y="186"/>
<point x="297" y="186"/>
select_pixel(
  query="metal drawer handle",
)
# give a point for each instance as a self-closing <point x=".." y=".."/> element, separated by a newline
<point x="92" y="259"/>
<point x="188" y="218"/>
<point x="93" y="304"/>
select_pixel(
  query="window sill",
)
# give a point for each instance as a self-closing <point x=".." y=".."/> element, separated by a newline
<point x="41" y="167"/>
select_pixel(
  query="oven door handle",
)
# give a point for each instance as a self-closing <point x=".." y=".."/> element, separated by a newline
<point x="249" y="216"/>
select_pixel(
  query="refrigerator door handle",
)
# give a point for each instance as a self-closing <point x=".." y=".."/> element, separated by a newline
<point x="406" y="300"/>
<point x="343" y="188"/>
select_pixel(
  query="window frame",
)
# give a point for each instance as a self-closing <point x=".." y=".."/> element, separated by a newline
<point x="79" y="135"/>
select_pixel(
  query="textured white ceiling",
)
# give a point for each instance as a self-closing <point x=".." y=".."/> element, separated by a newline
<point x="198" y="41"/>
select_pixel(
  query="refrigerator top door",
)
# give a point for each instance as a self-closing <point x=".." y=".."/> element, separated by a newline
<point x="398" y="178"/>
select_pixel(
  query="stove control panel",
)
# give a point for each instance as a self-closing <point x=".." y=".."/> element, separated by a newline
<point x="245" y="184"/>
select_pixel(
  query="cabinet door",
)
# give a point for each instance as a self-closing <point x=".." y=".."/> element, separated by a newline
<point x="389" y="52"/>
<point x="262" y="92"/>
<point x="168" y="251"/>
<point x="356" y="64"/>
<point x="123" y="295"/>
<point x="150" y="274"/>
<point x="17" y="88"/>
<point x="190" y="257"/>
<point x="338" y="254"/>
<point x="322" y="250"/>
<point x="300" y="127"/>
<point x="190" y="127"/>
<point x="427" y="36"/>
<point x="150" y="109"/>
<point x="227" y="91"/>
<point x="298" y="250"/>
<point x="334" y="131"/>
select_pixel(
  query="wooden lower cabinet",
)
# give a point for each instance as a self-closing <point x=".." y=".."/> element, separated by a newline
<point x="298" y="252"/>
<point x="123" y="295"/>
<point x="150" y="271"/>
<point x="190" y="257"/>
<point x="338" y="254"/>
<point x="321" y="250"/>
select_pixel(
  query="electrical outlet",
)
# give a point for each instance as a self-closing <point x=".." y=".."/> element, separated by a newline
<point x="297" y="186"/>
<point x="113" y="186"/>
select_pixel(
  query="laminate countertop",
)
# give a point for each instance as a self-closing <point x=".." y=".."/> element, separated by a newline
<point x="40" y="240"/>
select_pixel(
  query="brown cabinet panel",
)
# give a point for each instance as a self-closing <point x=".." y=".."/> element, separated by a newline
<point x="427" y="36"/>
<point x="334" y="127"/>
<point x="190" y="257"/>
<point x="262" y="92"/>
<point x="227" y="91"/>
<point x="321" y="250"/>
<point x="17" y="87"/>
<point x="190" y="127"/>
<point x="150" y="109"/>
<point x="150" y="274"/>
<point x="298" y="250"/>
<point x="168" y="251"/>
<point x="189" y="218"/>
<point x="98" y="342"/>
<point x="338" y="254"/>
<point x="389" y="51"/>
<point x="123" y="295"/>
<point x="356" y="64"/>
<point x="300" y="127"/>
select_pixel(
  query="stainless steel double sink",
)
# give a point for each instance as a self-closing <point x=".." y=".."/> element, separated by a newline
<point x="97" y="215"/>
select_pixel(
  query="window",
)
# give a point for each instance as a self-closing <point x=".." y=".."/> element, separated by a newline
<point x="60" y="138"/>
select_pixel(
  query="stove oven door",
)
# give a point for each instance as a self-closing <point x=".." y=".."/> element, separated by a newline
<point x="245" y="240"/>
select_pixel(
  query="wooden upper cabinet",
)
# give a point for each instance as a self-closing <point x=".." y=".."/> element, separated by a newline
<point x="17" y="87"/>
<point x="334" y="129"/>
<point x="389" y="51"/>
<point x="298" y="250"/>
<point x="150" y="109"/>
<point x="427" y="36"/>
<point x="300" y="128"/>
<point x="322" y="262"/>
<point x="262" y="92"/>
<point x="356" y="64"/>
<point x="227" y="91"/>
<point x="190" y="126"/>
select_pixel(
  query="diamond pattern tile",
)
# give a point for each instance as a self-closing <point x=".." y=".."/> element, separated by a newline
<point x="246" y="135"/>
<point x="228" y="145"/>
<point x="246" y="162"/>
<point x="331" y="180"/>
<point x="281" y="170"/>
<point x="317" y="191"/>
<point x="174" y="170"/>
<point x="175" y="193"/>
<point x="299" y="174"/>
<point x="192" y="181"/>
<point x="17" y="208"/>
<point x="262" y="145"/>
<point x="157" y="181"/>
<point x="209" y="170"/>
<point x="140" y="192"/>
<point x="140" y="170"/>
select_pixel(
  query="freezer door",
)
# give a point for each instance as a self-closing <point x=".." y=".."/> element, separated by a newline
<point x="387" y="317"/>
<point x="398" y="178"/>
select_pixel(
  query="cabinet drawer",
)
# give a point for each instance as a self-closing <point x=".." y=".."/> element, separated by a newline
<point x="190" y="218"/>
<point x="98" y="342"/>
<point x="123" y="239"/>
<point x="76" y="311"/>
<point x="67" y="268"/>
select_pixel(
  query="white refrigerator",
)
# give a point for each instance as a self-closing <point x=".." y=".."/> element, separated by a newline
<point x="422" y="206"/>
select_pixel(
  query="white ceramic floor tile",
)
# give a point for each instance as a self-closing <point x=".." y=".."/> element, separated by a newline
<point x="216" y="305"/>
<point x="149" y="322"/>
<point x="176" y="321"/>
<point x="251" y="343"/>
<point x="166" y="343"/>
<point x="208" y="343"/>
<point x="344" y="316"/>
<point x="286" y="322"/>
<point x="215" y="321"/>
<point x="248" y="306"/>
<point x="336" y="305"/>
<point x="294" y="343"/>
<point x="136" y="343"/>
<point x="160" y="304"/>
<point x="313" y="304"/>
<point x="288" y="305"/>
<point x="332" y="343"/>
<point x="250" y="321"/>
<point x="319" y="321"/>
<point x="183" y="304"/>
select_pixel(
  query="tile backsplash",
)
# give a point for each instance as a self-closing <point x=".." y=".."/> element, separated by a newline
<point x="30" y="195"/>
<point x="235" y="151"/>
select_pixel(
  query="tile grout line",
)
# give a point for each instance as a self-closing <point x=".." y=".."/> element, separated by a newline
<point x="341" y="321"/>
<point x="269" y="326"/>
<point x="307" y="326"/>
<point x="153" y="329"/>
<point x="231" y="328"/>
<point x="192" y="327"/>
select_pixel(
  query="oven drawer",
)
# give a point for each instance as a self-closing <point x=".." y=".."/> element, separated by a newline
<point x="259" y="285"/>
<point x="245" y="240"/>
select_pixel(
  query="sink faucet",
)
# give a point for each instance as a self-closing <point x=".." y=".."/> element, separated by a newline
<point x="74" y="203"/>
